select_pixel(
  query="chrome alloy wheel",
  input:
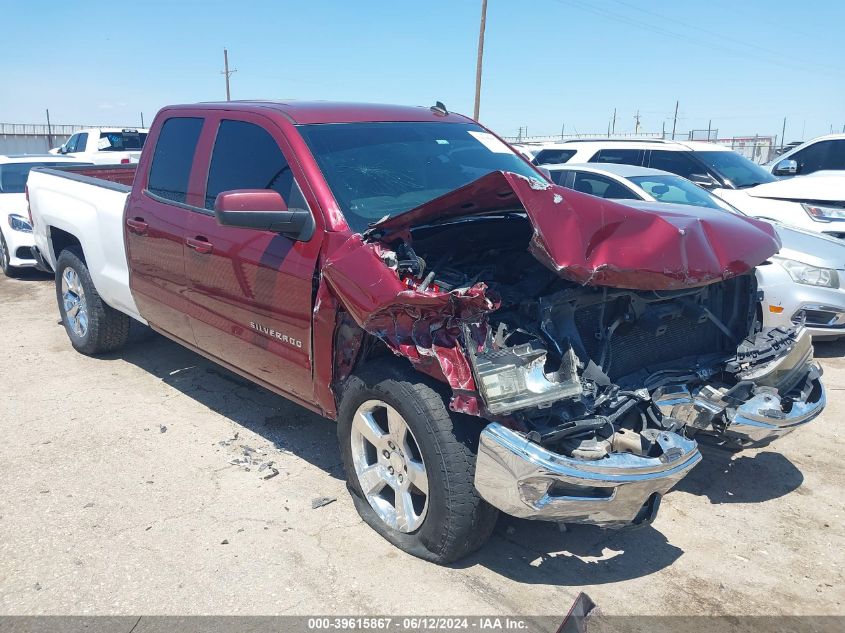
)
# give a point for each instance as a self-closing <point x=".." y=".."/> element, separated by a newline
<point x="389" y="466"/>
<point x="73" y="298"/>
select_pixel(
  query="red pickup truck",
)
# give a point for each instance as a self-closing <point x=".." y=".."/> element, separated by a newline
<point x="486" y="340"/>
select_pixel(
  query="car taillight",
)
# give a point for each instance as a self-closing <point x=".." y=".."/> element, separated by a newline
<point x="28" y="207"/>
<point x="124" y="161"/>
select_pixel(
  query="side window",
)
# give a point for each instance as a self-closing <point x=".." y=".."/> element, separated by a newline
<point x="836" y="155"/>
<point x="173" y="157"/>
<point x="82" y="142"/>
<point x="679" y="163"/>
<point x="245" y="156"/>
<point x="70" y="144"/>
<point x="813" y="158"/>
<point x="624" y="156"/>
<point x="553" y="156"/>
<point x="558" y="176"/>
<point x="602" y="187"/>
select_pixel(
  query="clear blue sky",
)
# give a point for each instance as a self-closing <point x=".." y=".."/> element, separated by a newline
<point x="548" y="63"/>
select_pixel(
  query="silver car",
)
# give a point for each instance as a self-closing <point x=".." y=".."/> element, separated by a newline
<point x="804" y="282"/>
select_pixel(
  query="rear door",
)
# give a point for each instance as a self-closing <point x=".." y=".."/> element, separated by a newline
<point x="156" y="221"/>
<point x="251" y="291"/>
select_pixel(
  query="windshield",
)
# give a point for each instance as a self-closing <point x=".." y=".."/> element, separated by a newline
<point x="735" y="168"/>
<point x="386" y="168"/>
<point x="13" y="175"/>
<point x="678" y="190"/>
<point x="121" y="141"/>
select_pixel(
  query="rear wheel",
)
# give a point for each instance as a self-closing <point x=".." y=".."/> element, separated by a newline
<point x="92" y="326"/>
<point x="410" y="463"/>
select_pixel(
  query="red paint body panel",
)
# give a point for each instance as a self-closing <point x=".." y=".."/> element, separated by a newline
<point x="591" y="240"/>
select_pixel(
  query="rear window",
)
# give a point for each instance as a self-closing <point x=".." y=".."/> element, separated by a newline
<point x="121" y="141"/>
<point x="13" y="175"/>
<point x="174" y="155"/>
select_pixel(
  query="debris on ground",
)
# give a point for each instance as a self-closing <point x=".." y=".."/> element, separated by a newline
<point x="162" y="428"/>
<point x="225" y="541"/>
<point x="319" y="502"/>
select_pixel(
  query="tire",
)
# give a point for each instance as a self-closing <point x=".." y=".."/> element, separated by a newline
<point x="92" y="326"/>
<point x="5" y="258"/>
<point x="453" y="520"/>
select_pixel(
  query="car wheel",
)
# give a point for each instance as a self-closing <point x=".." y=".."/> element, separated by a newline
<point x="92" y="326"/>
<point x="410" y="463"/>
<point x="5" y="258"/>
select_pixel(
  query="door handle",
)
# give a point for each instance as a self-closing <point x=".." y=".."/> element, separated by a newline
<point x="199" y="244"/>
<point x="137" y="226"/>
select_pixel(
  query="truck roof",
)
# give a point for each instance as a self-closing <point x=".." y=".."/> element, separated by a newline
<point x="305" y="112"/>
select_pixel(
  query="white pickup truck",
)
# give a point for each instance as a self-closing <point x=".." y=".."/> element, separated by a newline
<point x="105" y="145"/>
<point x="85" y="207"/>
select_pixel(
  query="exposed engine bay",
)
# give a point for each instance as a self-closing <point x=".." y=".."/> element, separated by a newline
<point x="589" y="371"/>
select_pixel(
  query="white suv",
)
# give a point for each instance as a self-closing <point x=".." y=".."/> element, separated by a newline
<point x="822" y="153"/>
<point x="815" y="203"/>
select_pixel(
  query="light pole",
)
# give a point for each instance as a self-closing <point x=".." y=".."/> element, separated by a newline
<point x="480" y="57"/>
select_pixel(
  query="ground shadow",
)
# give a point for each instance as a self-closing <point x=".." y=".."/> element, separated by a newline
<point x="829" y="349"/>
<point x="536" y="552"/>
<point x="286" y="425"/>
<point x="31" y="274"/>
<point x="726" y="477"/>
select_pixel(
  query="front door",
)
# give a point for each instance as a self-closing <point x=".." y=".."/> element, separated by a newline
<point x="251" y="291"/>
<point x="156" y="222"/>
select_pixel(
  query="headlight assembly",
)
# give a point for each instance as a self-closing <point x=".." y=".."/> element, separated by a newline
<point x="822" y="213"/>
<point x="19" y="223"/>
<point x="809" y="275"/>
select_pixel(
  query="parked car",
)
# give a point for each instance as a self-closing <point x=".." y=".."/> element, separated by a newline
<point x="105" y="145"/>
<point x="816" y="205"/>
<point x="15" y="228"/>
<point x="481" y="337"/>
<point x="819" y="154"/>
<point x="804" y="284"/>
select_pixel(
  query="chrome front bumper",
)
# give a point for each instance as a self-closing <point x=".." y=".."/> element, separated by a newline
<point x="525" y="480"/>
<point x="762" y="419"/>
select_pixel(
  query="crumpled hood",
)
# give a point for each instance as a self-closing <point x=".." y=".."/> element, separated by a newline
<point x="828" y="186"/>
<point x="590" y="240"/>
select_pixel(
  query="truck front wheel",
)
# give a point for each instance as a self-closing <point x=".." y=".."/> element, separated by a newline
<point x="410" y="463"/>
<point x="92" y="326"/>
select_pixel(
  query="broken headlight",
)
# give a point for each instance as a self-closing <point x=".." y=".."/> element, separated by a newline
<point x="515" y="378"/>
<point x="809" y="275"/>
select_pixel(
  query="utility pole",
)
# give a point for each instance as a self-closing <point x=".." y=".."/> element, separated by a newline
<point x="783" y="134"/>
<point x="480" y="58"/>
<point x="563" y="126"/>
<point x="709" y="125"/>
<point x="142" y="119"/>
<point x="675" y="120"/>
<point x="613" y="129"/>
<point x="49" y="131"/>
<point x="663" y="133"/>
<point x="227" y="73"/>
<point x="637" y="119"/>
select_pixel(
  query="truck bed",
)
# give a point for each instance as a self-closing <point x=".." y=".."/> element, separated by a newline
<point x="82" y="206"/>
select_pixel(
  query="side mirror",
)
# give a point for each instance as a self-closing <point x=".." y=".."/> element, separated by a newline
<point x="263" y="210"/>
<point x="786" y="167"/>
<point x="703" y="180"/>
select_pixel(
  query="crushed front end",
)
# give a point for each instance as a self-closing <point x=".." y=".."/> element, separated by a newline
<point x="593" y="380"/>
